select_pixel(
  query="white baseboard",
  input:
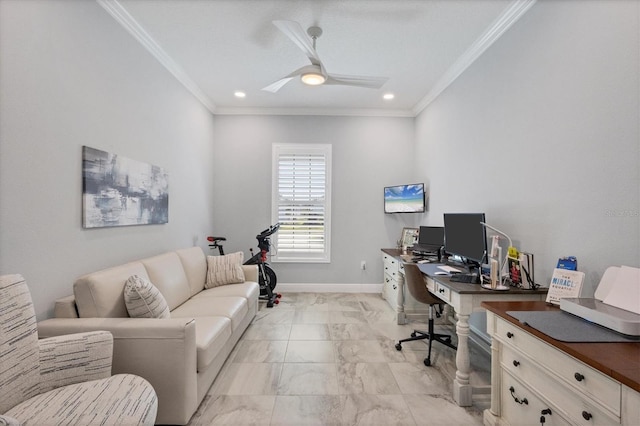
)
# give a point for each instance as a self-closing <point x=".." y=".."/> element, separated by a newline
<point x="328" y="288"/>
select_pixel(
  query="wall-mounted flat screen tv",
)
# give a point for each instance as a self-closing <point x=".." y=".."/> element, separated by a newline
<point x="404" y="198"/>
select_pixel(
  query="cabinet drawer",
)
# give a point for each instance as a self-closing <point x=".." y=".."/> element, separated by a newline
<point x="523" y="413"/>
<point x="442" y="292"/>
<point x="565" y="368"/>
<point x="580" y="408"/>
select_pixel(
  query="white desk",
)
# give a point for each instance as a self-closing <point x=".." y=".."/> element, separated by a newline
<point x="464" y="299"/>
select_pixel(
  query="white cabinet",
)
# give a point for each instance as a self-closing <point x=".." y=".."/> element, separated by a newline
<point x="535" y="379"/>
<point x="396" y="293"/>
<point x="391" y="268"/>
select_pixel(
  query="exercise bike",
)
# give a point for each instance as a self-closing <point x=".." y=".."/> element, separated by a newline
<point x="266" y="277"/>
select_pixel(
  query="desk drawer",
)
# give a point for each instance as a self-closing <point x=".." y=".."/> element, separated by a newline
<point x="431" y="285"/>
<point x="517" y="412"/>
<point x="580" y="408"/>
<point x="567" y="369"/>
<point x="390" y="265"/>
<point x="442" y="292"/>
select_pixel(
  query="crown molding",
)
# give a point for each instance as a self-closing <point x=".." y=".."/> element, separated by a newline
<point x="349" y="112"/>
<point x="120" y="14"/>
<point x="510" y="16"/>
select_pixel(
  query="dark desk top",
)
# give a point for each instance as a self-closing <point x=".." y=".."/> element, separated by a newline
<point x="620" y="361"/>
<point x="429" y="269"/>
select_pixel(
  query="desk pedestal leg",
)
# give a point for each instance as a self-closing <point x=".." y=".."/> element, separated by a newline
<point x="401" y="315"/>
<point x="462" y="389"/>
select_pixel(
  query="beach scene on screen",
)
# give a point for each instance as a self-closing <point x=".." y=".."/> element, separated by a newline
<point x="404" y="199"/>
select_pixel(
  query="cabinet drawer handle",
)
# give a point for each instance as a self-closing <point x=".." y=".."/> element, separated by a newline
<point x="516" y="363"/>
<point x="523" y="400"/>
<point x="395" y="287"/>
<point x="586" y="415"/>
<point x="543" y="413"/>
<point x="579" y="377"/>
<point x="441" y="290"/>
<point x="509" y="334"/>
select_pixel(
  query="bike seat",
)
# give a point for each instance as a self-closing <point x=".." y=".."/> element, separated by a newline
<point x="215" y="239"/>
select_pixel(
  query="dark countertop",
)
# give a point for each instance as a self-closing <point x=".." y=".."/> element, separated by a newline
<point x="620" y="361"/>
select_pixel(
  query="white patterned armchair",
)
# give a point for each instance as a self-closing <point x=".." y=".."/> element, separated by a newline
<point x="65" y="379"/>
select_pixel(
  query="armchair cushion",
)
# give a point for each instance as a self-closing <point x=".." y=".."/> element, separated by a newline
<point x="123" y="399"/>
<point x="8" y="421"/>
<point x="222" y="270"/>
<point x="144" y="300"/>
<point x="74" y="358"/>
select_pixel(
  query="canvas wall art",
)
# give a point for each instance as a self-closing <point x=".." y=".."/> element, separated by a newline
<point x="118" y="191"/>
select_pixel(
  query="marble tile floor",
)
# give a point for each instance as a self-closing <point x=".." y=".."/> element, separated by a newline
<point x="330" y="359"/>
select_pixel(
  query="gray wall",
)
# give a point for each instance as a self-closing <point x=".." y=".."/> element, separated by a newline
<point x="368" y="154"/>
<point x="551" y="109"/>
<point x="542" y="134"/>
<point x="71" y="76"/>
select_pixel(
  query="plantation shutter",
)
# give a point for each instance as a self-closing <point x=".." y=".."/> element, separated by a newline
<point x="302" y="202"/>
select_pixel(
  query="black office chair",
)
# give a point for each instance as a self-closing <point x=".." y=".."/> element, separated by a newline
<point x="418" y="289"/>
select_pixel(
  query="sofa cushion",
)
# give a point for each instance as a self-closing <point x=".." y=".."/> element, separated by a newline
<point x="101" y="294"/>
<point x="144" y="300"/>
<point x="248" y="290"/>
<point x="234" y="308"/>
<point x="211" y="335"/>
<point x="222" y="270"/>
<point x="194" y="263"/>
<point x="166" y="272"/>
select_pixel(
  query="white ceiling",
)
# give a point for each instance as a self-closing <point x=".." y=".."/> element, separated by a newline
<point x="215" y="47"/>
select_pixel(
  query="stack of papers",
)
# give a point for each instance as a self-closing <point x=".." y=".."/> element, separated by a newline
<point x="623" y="289"/>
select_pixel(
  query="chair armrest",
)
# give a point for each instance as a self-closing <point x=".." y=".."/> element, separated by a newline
<point x="250" y="273"/>
<point x="162" y="351"/>
<point x="74" y="358"/>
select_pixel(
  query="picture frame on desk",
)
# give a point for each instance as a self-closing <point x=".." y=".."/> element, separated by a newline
<point x="408" y="238"/>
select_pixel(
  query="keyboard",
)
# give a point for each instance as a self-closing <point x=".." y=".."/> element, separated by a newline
<point x="464" y="278"/>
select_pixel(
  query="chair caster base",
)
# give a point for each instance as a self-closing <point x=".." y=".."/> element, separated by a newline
<point x="398" y="346"/>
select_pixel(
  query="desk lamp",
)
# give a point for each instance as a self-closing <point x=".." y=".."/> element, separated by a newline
<point x="496" y="256"/>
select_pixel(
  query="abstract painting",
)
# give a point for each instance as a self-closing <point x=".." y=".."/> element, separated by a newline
<point x="118" y="191"/>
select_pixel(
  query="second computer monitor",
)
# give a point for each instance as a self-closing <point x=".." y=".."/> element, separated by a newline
<point x="431" y="236"/>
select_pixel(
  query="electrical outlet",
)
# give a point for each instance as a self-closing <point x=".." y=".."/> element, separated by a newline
<point x="363" y="265"/>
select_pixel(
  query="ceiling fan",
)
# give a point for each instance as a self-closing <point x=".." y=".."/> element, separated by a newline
<point x="315" y="74"/>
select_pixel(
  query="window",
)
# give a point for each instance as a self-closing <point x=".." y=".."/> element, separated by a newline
<point x="301" y="202"/>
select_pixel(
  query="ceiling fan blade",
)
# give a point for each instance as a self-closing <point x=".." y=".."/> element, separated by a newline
<point x="356" y="80"/>
<point x="277" y="85"/>
<point x="294" y="31"/>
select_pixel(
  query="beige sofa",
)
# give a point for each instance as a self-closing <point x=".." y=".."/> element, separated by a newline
<point x="180" y="356"/>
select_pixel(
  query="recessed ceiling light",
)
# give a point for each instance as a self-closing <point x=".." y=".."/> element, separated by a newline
<point x="239" y="94"/>
<point x="388" y="96"/>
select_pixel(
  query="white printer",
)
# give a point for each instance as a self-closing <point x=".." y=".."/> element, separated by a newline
<point x="616" y="301"/>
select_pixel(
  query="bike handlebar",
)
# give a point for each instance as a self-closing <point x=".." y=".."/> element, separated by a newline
<point x="268" y="232"/>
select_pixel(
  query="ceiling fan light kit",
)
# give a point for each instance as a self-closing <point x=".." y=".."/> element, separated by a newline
<point x="315" y="74"/>
<point x="313" y="79"/>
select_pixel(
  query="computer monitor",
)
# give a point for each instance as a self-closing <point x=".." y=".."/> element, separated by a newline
<point x="431" y="237"/>
<point x="465" y="236"/>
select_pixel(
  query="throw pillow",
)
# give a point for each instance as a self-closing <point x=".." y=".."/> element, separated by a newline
<point x="222" y="270"/>
<point x="144" y="300"/>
